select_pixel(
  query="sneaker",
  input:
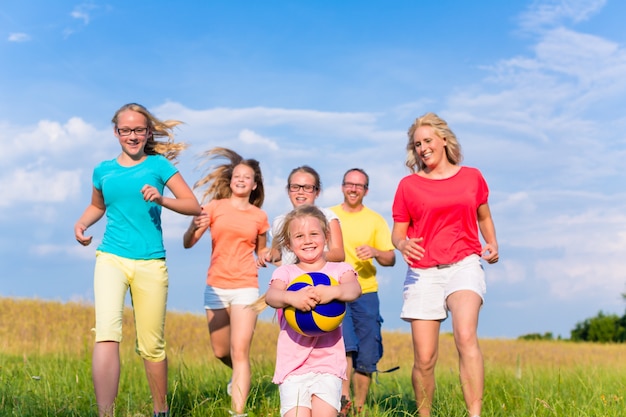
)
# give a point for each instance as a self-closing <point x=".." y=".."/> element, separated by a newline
<point x="346" y="404"/>
<point x="161" y="414"/>
<point x="235" y="414"/>
<point x="229" y="387"/>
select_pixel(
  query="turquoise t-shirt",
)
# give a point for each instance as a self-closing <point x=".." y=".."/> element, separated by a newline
<point x="133" y="227"/>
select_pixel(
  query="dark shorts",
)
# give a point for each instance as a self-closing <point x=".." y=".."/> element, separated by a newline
<point x="362" y="332"/>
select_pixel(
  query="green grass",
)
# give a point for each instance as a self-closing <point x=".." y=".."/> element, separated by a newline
<point x="61" y="386"/>
<point x="52" y="385"/>
<point x="45" y="370"/>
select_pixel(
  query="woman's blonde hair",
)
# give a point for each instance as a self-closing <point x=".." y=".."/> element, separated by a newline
<point x="217" y="180"/>
<point x="158" y="129"/>
<point x="441" y="128"/>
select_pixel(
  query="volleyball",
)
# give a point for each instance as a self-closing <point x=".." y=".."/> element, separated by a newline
<point x="324" y="317"/>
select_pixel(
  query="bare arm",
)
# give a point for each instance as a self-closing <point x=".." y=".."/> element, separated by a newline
<point x="386" y="257"/>
<point x="261" y="250"/>
<point x="409" y="248"/>
<point x="197" y="227"/>
<point x="273" y="255"/>
<point x="349" y="289"/>
<point x="383" y="257"/>
<point x="275" y="295"/>
<point x="184" y="201"/>
<point x="94" y="212"/>
<point x="304" y="299"/>
<point x="335" y="252"/>
<point x="488" y="231"/>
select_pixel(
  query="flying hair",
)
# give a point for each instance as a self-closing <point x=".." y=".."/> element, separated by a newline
<point x="158" y="129"/>
<point x="216" y="182"/>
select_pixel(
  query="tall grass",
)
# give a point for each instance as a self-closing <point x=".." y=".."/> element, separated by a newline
<point x="45" y="370"/>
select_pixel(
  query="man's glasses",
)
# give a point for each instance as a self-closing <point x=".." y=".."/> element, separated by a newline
<point x="353" y="185"/>
<point x="308" y="188"/>
<point x="139" y="131"/>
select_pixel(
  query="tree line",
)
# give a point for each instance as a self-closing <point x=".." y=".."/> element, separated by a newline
<point x="603" y="328"/>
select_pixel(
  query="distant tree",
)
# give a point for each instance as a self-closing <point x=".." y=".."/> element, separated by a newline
<point x="603" y="328"/>
<point x="537" y="336"/>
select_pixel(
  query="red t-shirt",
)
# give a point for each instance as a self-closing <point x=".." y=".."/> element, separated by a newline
<point x="444" y="213"/>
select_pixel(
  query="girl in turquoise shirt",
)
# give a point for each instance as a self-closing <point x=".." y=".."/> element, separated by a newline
<point x="129" y="190"/>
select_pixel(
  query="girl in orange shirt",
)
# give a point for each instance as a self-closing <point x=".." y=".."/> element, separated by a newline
<point x="238" y="229"/>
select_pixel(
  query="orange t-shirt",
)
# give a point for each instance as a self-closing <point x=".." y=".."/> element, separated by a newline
<point x="234" y="235"/>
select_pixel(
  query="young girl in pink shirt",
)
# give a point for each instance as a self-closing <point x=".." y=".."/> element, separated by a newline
<point x="309" y="370"/>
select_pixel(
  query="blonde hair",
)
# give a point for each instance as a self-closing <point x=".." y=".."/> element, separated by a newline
<point x="157" y="129"/>
<point x="441" y="128"/>
<point x="217" y="180"/>
<point x="281" y="240"/>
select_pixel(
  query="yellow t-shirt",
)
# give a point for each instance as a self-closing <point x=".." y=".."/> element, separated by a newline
<point x="365" y="227"/>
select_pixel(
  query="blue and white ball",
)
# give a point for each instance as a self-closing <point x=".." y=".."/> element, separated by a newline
<point x="323" y="318"/>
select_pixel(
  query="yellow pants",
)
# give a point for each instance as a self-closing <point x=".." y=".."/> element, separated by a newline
<point x="148" y="283"/>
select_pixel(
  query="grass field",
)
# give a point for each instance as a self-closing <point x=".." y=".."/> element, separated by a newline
<point x="45" y="370"/>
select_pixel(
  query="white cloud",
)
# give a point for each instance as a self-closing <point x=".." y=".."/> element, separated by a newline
<point x="18" y="37"/>
<point x="507" y="271"/>
<point x="250" y="137"/>
<point x="50" y="138"/>
<point x="592" y="61"/>
<point x="81" y="15"/>
<point x="558" y="149"/>
<point x="45" y="185"/>
<point x="82" y="12"/>
<point x="54" y="250"/>
<point x="349" y="124"/>
<point x="551" y="13"/>
<point x="519" y="201"/>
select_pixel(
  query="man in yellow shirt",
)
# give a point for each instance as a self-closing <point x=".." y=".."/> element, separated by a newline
<point x="366" y="236"/>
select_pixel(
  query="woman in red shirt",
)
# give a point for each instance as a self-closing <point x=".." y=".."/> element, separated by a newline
<point x="437" y="212"/>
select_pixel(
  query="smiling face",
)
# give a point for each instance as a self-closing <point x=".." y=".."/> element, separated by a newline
<point x="354" y="188"/>
<point x="307" y="239"/>
<point x="132" y="144"/>
<point x="429" y="148"/>
<point x="242" y="181"/>
<point x="301" y="196"/>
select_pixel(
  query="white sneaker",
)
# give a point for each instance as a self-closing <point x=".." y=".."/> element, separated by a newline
<point x="229" y="387"/>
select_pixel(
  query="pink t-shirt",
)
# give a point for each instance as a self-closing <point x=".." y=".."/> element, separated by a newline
<point x="444" y="213"/>
<point x="297" y="354"/>
<point x="234" y="234"/>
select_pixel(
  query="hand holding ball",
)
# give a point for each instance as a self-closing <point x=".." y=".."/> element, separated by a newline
<point x="323" y="318"/>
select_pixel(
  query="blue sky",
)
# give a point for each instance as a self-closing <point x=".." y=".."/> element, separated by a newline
<point x="535" y="91"/>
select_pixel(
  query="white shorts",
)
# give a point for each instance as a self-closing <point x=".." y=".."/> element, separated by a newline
<point x="297" y="390"/>
<point x="426" y="290"/>
<point x="217" y="298"/>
